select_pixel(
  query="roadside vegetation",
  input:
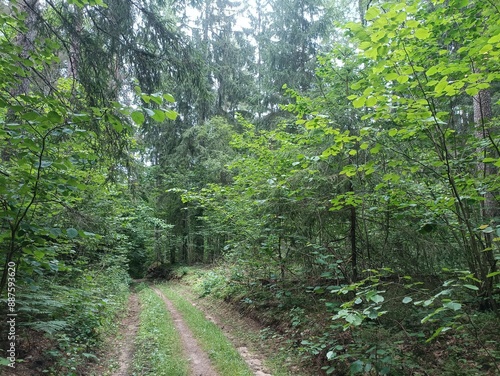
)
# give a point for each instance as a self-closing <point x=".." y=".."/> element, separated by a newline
<point x="405" y="339"/>
<point x="335" y="162"/>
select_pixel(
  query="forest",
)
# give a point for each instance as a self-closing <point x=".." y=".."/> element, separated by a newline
<point x="328" y="169"/>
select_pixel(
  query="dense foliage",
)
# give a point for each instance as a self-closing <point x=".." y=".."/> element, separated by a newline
<point x="339" y="162"/>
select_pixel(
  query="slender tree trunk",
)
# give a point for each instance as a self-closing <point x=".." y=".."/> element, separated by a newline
<point x="489" y="207"/>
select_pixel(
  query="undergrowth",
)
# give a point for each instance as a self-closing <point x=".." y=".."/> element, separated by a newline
<point x="65" y="323"/>
<point x="380" y="325"/>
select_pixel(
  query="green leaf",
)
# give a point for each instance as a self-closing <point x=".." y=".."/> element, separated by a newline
<point x="371" y="101"/>
<point x="471" y="287"/>
<point x="159" y="116"/>
<point x="156" y="98"/>
<point x="441" y="85"/>
<point x="452" y="305"/>
<point x="30" y="116"/>
<point x="118" y="126"/>
<point x="137" y="117"/>
<point x="169" y="98"/>
<point x="422" y="33"/>
<point x="378" y="35"/>
<point x="407" y="300"/>
<point x="357" y="367"/>
<point x="391" y="76"/>
<point x="354" y="319"/>
<point x="72" y="232"/>
<point x="377" y="298"/>
<point x="376" y="149"/>
<point x="472" y="90"/>
<point x="432" y="71"/>
<point x="493" y="274"/>
<point x="403" y="79"/>
<point x="54" y="117"/>
<point x="360" y="102"/>
<point x="4" y="361"/>
<point x="372" y="13"/>
<point x="494" y="39"/>
<point x="172" y="115"/>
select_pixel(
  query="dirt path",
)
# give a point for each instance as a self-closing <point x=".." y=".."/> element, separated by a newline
<point x="228" y="321"/>
<point x="199" y="362"/>
<point x="129" y="327"/>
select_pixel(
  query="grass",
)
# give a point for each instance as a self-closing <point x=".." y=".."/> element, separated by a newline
<point x="222" y="353"/>
<point x="278" y="360"/>
<point x="158" y="346"/>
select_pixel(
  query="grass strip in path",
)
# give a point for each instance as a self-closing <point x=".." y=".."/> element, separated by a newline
<point x="224" y="356"/>
<point x="246" y="334"/>
<point x="199" y="363"/>
<point x="159" y="349"/>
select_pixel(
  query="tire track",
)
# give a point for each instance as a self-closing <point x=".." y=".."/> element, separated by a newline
<point x="199" y="362"/>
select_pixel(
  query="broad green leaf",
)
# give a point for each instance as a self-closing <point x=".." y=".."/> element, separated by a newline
<point x="357" y="367"/>
<point x="486" y="48"/>
<point x="169" y="98"/>
<point x="54" y="117"/>
<point x="493" y="274"/>
<point x="159" y="116"/>
<point x="489" y="160"/>
<point x="391" y="76"/>
<point x="31" y="116"/>
<point x="432" y="70"/>
<point x="378" y="35"/>
<point x="422" y="33"/>
<point x="441" y="85"/>
<point x="403" y="79"/>
<point x="452" y="305"/>
<point x="376" y="149"/>
<point x="494" y="39"/>
<point x="137" y="117"/>
<point x="172" y="115"/>
<point x="472" y="90"/>
<point x="407" y="300"/>
<point x="371" y="101"/>
<point x="354" y="319"/>
<point x="72" y="232"/>
<point x="360" y="102"/>
<point x="372" y="13"/>
<point x="365" y="45"/>
<point x="157" y="98"/>
<point x="377" y="298"/>
<point x="392" y="132"/>
<point x="4" y="361"/>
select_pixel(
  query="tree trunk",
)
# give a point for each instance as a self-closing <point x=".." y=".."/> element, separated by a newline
<point x="489" y="207"/>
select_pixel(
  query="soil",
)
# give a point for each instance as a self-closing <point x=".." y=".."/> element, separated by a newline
<point x="130" y="326"/>
<point x="199" y="362"/>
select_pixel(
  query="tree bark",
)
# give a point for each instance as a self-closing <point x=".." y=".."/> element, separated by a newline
<point x="490" y="210"/>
